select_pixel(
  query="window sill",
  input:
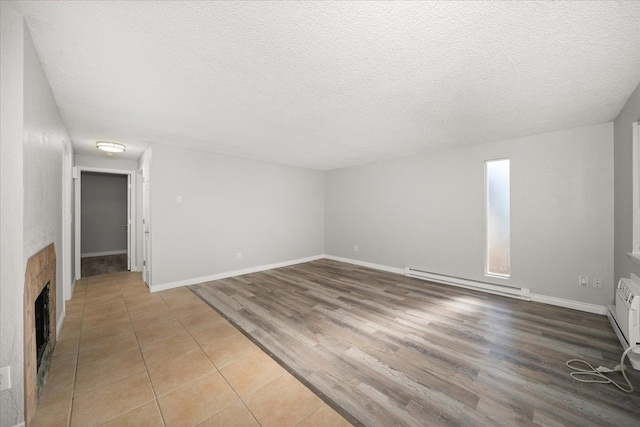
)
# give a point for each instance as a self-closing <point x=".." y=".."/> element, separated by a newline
<point x="635" y="256"/>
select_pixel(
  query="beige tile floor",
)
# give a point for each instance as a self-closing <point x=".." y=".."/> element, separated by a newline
<point x="126" y="357"/>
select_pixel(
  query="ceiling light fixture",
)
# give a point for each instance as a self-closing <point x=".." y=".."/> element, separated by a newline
<point x="110" y="147"/>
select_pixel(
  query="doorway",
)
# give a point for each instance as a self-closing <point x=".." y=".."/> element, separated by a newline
<point x="104" y="227"/>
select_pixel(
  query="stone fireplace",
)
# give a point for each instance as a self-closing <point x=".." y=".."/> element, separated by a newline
<point x="39" y="325"/>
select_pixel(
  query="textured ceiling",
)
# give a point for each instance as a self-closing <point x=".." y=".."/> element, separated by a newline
<point x="326" y="85"/>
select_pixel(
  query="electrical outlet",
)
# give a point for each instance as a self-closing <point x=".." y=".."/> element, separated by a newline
<point x="597" y="283"/>
<point x="5" y="378"/>
<point x="178" y="199"/>
<point x="583" y="281"/>
<point x="239" y="255"/>
<point x="355" y="249"/>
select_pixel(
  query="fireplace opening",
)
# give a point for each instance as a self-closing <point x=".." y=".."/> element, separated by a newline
<point x="42" y="324"/>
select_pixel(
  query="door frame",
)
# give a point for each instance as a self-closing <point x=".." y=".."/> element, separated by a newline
<point x="67" y="220"/>
<point x="145" y="226"/>
<point x="131" y="209"/>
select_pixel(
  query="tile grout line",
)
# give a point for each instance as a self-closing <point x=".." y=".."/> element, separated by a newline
<point x="75" y="371"/>
<point x="311" y="412"/>
<point x="122" y="296"/>
<point x="212" y="363"/>
<point x="241" y="399"/>
<point x="146" y="368"/>
<point x="302" y="379"/>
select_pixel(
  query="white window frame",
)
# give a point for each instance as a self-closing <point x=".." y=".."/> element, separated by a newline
<point x="486" y="221"/>
<point x="635" y="249"/>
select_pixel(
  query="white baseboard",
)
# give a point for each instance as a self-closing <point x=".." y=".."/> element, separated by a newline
<point x="19" y="425"/>
<point x="567" y="303"/>
<point x="60" y="321"/>
<point x="560" y="302"/>
<point x="73" y="288"/>
<point x="92" y="254"/>
<point x="366" y="264"/>
<point x="226" y="275"/>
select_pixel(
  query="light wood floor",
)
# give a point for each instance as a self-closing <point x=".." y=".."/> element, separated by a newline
<point x="126" y="357"/>
<point x="391" y="350"/>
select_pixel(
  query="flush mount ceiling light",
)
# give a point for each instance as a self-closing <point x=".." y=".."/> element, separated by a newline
<point x="110" y="147"/>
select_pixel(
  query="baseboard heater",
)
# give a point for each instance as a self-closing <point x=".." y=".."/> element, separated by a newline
<point x="492" y="288"/>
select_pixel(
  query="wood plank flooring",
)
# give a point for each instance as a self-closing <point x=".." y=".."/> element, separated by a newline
<point x="387" y="350"/>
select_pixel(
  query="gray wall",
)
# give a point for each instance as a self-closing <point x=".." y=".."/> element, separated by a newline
<point x="268" y="212"/>
<point x="623" y="138"/>
<point x="104" y="213"/>
<point x="428" y="212"/>
<point x="31" y="196"/>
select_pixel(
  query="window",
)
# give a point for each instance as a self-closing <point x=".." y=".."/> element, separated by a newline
<point x="498" y="218"/>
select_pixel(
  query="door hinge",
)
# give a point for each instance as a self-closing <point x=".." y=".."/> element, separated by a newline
<point x="144" y="262"/>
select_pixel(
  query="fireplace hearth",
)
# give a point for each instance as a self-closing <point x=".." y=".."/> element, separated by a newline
<point x="39" y="325"/>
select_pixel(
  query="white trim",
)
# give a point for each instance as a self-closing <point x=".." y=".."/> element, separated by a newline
<point x="575" y="305"/>
<point x="92" y="254"/>
<point x="60" y="321"/>
<point x="19" y="425"/>
<point x="366" y="264"/>
<point x="491" y="288"/>
<point x="77" y="174"/>
<point x="635" y="175"/>
<point x="567" y="303"/>
<point x="635" y="257"/>
<point x="226" y="275"/>
<point x="486" y="220"/>
<point x="526" y="295"/>
<point x="67" y="219"/>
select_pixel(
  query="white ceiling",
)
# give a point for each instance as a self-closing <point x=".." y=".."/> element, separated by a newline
<point x="325" y="85"/>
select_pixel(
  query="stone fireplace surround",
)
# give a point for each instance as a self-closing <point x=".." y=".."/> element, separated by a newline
<point x="41" y="269"/>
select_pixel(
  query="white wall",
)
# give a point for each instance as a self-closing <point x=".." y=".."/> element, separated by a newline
<point x="269" y="213"/>
<point x="428" y="212"/>
<point x="104" y="162"/>
<point x="33" y="143"/>
<point x="44" y="137"/>
<point x="104" y="213"/>
<point x="11" y="204"/>
<point x="623" y="158"/>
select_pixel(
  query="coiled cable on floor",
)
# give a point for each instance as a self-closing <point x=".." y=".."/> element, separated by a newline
<point x="600" y="371"/>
